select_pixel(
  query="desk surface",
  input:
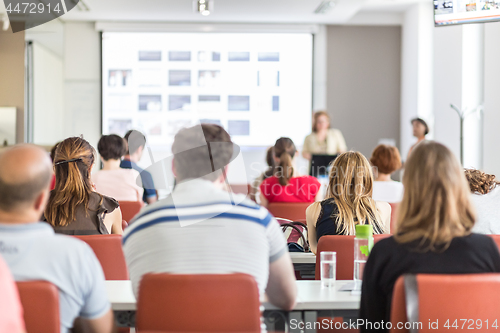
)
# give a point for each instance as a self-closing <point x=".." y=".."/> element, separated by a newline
<point x="303" y="258"/>
<point x="311" y="296"/>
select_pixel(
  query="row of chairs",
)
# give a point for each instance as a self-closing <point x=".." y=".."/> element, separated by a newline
<point x="166" y="303"/>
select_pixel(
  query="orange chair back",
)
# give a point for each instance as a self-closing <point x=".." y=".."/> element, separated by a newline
<point x="496" y="238"/>
<point x="130" y="209"/>
<point x="40" y="301"/>
<point x="109" y="252"/>
<point x="394" y="211"/>
<point x="449" y="297"/>
<point x="289" y="210"/>
<point x="198" y="303"/>
<point x="344" y="246"/>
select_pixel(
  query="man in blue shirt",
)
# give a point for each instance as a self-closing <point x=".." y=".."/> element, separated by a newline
<point x="33" y="251"/>
<point x="136" y="143"/>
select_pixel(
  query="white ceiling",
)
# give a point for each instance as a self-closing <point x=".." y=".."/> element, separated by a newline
<point x="234" y="11"/>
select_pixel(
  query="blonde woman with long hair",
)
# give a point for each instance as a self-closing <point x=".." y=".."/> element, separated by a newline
<point x="348" y="201"/>
<point x="433" y="231"/>
<point x="286" y="185"/>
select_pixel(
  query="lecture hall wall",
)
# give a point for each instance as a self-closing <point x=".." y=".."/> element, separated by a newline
<point x="345" y="92"/>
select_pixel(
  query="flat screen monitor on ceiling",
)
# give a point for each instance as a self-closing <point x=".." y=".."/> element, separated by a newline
<point x="450" y="12"/>
<point x="257" y="86"/>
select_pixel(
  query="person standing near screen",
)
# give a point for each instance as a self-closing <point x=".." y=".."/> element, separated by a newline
<point x="136" y="143"/>
<point x="323" y="140"/>
<point x="420" y="130"/>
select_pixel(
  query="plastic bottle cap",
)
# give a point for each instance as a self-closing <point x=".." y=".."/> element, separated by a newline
<point x="364" y="231"/>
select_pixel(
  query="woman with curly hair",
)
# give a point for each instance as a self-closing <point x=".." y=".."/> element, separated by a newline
<point x="486" y="199"/>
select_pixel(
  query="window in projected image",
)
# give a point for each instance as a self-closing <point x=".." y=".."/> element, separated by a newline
<point x="465" y="11"/>
<point x="257" y="86"/>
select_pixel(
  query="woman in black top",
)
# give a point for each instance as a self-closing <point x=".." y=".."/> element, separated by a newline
<point x="433" y="232"/>
<point x="348" y="201"/>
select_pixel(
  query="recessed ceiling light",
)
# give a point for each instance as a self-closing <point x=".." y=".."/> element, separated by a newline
<point x="204" y="6"/>
<point x="325" y="6"/>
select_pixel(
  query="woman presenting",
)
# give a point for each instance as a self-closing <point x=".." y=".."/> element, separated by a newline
<point x="323" y="139"/>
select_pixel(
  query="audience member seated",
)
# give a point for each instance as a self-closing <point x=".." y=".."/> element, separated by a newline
<point x="11" y="310"/>
<point x="255" y="191"/>
<point x="286" y="185"/>
<point x="136" y="142"/>
<point x="198" y="229"/>
<point x="323" y="139"/>
<point x="74" y="208"/>
<point x="386" y="160"/>
<point x="113" y="181"/>
<point x="486" y="199"/>
<point x="433" y="231"/>
<point x="420" y="130"/>
<point x="348" y="202"/>
<point x="33" y="251"/>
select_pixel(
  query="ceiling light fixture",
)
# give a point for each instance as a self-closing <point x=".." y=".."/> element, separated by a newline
<point x="325" y="6"/>
<point x="204" y="7"/>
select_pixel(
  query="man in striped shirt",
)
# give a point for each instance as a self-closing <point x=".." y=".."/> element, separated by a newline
<point x="202" y="229"/>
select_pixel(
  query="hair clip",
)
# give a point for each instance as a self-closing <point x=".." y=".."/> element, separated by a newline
<point x="72" y="160"/>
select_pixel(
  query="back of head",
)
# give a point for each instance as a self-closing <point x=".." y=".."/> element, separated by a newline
<point x="284" y="150"/>
<point x="201" y="150"/>
<point x="112" y="147"/>
<point x="73" y="160"/>
<point x="270" y="162"/>
<point x="135" y="140"/>
<point x="480" y="182"/>
<point x="25" y="172"/>
<point x="386" y="159"/>
<point x="351" y="185"/>
<point x="436" y="204"/>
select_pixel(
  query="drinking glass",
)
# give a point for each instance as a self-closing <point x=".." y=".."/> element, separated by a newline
<point x="328" y="262"/>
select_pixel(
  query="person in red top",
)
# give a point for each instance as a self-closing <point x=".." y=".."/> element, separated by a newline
<point x="11" y="311"/>
<point x="286" y="185"/>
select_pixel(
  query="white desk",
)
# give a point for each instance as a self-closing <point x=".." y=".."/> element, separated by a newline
<point x="303" y="258"/>
<point x="310" y="297"/>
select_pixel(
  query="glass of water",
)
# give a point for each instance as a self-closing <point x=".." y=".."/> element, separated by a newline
<point x="328" y="262"/>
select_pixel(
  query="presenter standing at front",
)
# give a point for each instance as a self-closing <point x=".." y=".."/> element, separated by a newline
<point x="323" y="140"/>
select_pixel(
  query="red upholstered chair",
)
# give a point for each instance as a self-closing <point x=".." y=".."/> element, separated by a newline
<point x="198" y="303"/>
<point x="496" y="238"/>
<point x="108" y="250"/>
<point x="40" y="301"/>
<point x="130" y="209"/>
<point x="394" y="211"/>
<point x="344" y="246"/>
<point x="124" y="224"/>
<point x="289" y="210"/>
<point x="448" y="297"/>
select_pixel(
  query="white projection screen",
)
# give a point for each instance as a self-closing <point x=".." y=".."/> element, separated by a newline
<point x="258" y="86"/>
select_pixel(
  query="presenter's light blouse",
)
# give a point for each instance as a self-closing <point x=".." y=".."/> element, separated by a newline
<point x="334" y="143"/>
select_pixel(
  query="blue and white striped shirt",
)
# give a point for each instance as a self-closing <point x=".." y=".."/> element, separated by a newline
<point x="200" y="229"/>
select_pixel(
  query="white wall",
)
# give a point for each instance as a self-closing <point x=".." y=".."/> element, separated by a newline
<point x="82" y="81"/>
<point x="416" y="72"/>
<point x="447" y="85"/>
<point x="48" y="97"/>
<point x="491" y="134"/>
